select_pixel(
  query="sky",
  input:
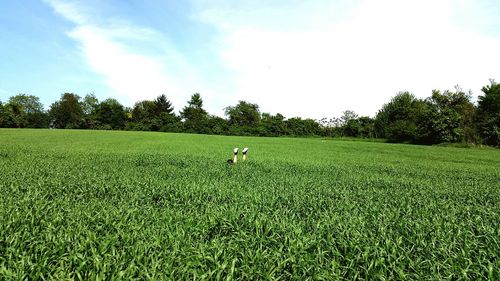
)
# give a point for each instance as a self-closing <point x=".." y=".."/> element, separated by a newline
<point x="311" y="59"/>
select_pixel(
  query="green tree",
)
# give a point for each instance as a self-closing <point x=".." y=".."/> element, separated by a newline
<point x="90" y="105"/>
<point x="397" y="120"/>
<point x="3" y="116"/>
<point x="446" y="117"/>
<point x="7" y="119"/>
<point x="156" y="115"/>
<point x="350" y="125"/>
<point x="331" y="127"/>
<point x="165" y="116"/>
<point x="347" y="116"/>
<point x="273" y="125"/>
<point x="245" y="116"/>
<point x="352" y="128"/>
<point x="302" y="127"/>
<point x="26" y="111"/>
<point x="195" y="117"/>
<point x="367" y="127"/>
<point x="163" y="105"/>
<point x="488" y="114"/>
<point x="27" y="103"/>
<point x="217" y="125"/>
<point x="67" y="112"/>
<point x="110" y="114"/>
<point x="143" y="110"/>
<point x="144" y="116"/>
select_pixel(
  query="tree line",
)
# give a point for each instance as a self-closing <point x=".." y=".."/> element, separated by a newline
<point x="444" y="117"/>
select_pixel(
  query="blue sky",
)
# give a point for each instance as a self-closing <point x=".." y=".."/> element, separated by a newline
<point x="311" y="58"/>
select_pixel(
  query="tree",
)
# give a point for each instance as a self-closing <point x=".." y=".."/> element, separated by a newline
<point x="397" y="120"/>
<point x="3" y="116"/>
<point x="352" y="128"/>
<point x="217" y="125"/>
<point x="144" y="116"/>
<point x="25" y="111"/>
<point x="488" y="114"/>
<point x="110" y="114"/>
<point x="347" y="116"/>
<point x="67" y="112"/>
<point x="243" y="114"/>
<point x="165" y="116"/>
<point x="273" y="125"/>
<point x="163" y="105"/>
<point x="302" y="127"/>
<point x="156" y="115"/>
<point x="7" y="119"/>
<point x="331" y="127"/>
<point x="143" y="110"/>
<point x="367" y="127"/>
<point x="195" y="117"/>
<point x="350" y="125"/>
<point x="244" y="118"/>
<point x="446" y="117"/>
<point x="90" y="105"/>
<point x="196" y="101"/>
<point x="27" y="103"/>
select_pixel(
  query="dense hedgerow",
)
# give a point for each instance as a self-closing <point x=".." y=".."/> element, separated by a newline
<point x="130" y="205"/>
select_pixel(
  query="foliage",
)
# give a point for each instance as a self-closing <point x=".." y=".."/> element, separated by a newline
<point x="23" y="111"/>
<point x="397" y="120"/>
<point x="26" y="103"/>
<point x="67" y="112"/>
<point x="244" y="114"/>
<point x="90" y="104"/>
<point x="156" y="115"/>
<point x="7" y="119"/>
<point x="302" y="127"/>
<point x="361" y="127"/>
<point x="347" y="116"/>
<point x="3" y="116"/>
<point x="195" y="117"/>
<point x="89" y="205"/>
<point x="143" y="111"/>
<point x="162" y="105"/>
<point x="273" y="125"/>
<point x="488" y="114"/>
<point x="217" y="125"/>
<point x="444" y="117"/>
<point x="111" y="113"/>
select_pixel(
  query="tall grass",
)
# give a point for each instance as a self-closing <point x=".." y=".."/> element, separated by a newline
<point x="95" y="205"/>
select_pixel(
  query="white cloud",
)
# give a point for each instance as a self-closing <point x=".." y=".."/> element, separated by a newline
<point x="355" y="61"/>
<point x="135" y="62"/>
<point x="300" y="58"/>
<point x="69" y="10"/>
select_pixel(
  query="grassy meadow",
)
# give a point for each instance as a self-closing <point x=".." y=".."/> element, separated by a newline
<point x="94" y="205"/>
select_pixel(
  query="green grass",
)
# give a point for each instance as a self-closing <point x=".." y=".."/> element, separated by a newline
<point x="98" y="205"/>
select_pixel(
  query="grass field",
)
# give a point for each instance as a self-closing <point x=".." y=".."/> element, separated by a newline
<point x="98" y="205"/>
